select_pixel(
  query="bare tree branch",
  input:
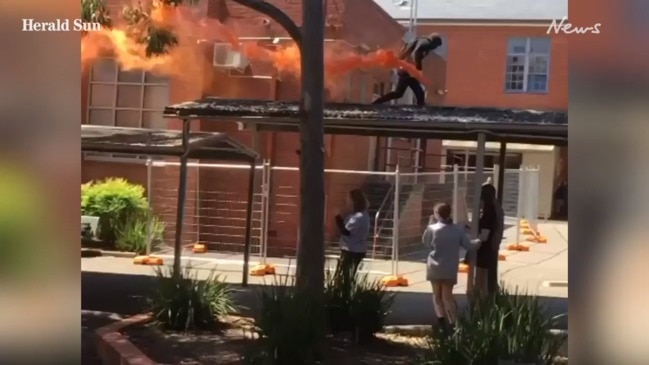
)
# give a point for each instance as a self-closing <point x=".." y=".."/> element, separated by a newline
<point x="277" y="15"/>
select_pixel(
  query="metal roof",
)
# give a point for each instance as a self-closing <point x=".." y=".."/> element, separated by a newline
<point x="516" y="10"/>
<point x="139" y="141"/>
<point x="520" y="126"/>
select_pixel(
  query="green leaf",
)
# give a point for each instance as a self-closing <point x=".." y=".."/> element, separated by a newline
<point x="95" y="11"/>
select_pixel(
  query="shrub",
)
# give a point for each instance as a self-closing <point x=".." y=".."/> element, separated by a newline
<point x="526" y="337"/>
<point x="356" y="304"/>
<point x="287" y="334"/>
<point x="474" y="341"/>
<point x="112" y="200"/>
<point x="186" y="303"/>
<point x="510" y="326"/>
<point x="131" y="235"/>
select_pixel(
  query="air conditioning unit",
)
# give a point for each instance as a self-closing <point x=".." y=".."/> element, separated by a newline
<point x="225" y="57"/>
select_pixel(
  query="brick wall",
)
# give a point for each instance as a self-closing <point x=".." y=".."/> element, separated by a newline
<point x="475" y="67"/>
<point x="215" y="209"/>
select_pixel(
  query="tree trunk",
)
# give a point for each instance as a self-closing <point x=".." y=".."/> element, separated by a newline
<point x="310" y="252"/>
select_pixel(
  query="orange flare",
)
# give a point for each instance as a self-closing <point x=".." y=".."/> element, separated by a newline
<point x="187" y="59"/>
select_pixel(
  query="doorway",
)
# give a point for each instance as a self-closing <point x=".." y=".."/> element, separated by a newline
<point x="467" y="158"/>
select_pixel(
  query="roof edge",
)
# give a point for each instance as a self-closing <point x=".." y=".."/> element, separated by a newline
<point x="482" y="22"/>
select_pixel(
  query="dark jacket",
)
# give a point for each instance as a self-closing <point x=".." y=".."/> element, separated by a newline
<point x="419" y="48"/>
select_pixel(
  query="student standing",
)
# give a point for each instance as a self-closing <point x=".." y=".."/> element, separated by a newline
<point x="444" y="239"/>
<point x="491" y="226"/>
<point x="354" y="231"/>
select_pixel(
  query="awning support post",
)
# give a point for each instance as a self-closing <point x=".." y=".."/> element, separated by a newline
<point x="475" y="211"/>
<point x="246" y="252"/>
<point x="182" y="193"/>
<point x="501" y="171"/>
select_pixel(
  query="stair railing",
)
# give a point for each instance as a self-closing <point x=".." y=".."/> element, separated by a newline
<point x="377" y="229"/>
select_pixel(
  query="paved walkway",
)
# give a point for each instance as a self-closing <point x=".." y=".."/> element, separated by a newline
<point x="534" y="271"/>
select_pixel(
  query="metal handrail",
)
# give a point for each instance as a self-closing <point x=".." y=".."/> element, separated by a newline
<point x="376" y="220"/>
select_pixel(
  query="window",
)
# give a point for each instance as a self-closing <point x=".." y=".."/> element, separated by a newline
<point x="527" y="65"/>
<point x="125" y="98"/>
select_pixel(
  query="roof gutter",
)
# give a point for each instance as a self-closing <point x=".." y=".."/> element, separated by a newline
<point x="481" y="23"/>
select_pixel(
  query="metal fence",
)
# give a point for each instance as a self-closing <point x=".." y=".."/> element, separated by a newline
<point x="215" y="206"/>
<point x="400" y="207"/>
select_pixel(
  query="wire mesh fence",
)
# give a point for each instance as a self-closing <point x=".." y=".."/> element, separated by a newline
<point x="215" y="206"/>
<point x="400" y="207"/>
<point x="283" y="222"/>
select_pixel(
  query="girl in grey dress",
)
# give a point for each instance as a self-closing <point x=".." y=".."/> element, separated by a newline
<point x="444" y="240"/>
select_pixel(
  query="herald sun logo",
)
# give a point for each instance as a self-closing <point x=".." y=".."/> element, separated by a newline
<point x="565" y="27"/>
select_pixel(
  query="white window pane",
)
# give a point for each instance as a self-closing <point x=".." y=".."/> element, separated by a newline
<point x="516" y="60"/>
<point x="101" y="117"/>
<point x="156" y="97"/>
<point x="540" y="45"/>
<point x="537" y="83"/>
<point x="104" y="70"/>
<point x="517" y="45"/>
<point x="134" y="76"/>
<point x="514" y="86"/>
<point x="515" y="64"/>
<point x="102" y="95"/>
<point x="153" y="120"/>
<point x="152" y="78"/>
<point x="129" y="96"/>
<point x="127" y="118"/>
<point x="514" y="82"/>
<point x="514" y="77"/>
<point x="539" y="64"/>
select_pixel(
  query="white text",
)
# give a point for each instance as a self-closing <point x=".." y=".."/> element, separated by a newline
<point x="60" y="25"/>
<point x="565" y="27"/>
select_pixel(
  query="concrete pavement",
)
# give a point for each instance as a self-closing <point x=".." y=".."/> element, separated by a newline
<point x="530" y="271"/>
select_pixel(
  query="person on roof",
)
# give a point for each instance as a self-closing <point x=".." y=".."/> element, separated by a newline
<point x="415" y="50"/>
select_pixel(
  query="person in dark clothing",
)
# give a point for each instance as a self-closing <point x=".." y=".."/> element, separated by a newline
<point x="491" y="227"/>
<point x="354" y="231"/>
<point x="417" y="50"/>
<point x="561" y="200"/>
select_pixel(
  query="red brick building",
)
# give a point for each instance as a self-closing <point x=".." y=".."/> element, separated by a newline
<point x="136" y="99"/>
<point x="497" y="53"/>
<point x="493" y="56"/>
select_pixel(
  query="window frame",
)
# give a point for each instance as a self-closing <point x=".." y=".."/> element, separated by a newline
<point x="115" y="83"/>
<point x="527" y="56"/>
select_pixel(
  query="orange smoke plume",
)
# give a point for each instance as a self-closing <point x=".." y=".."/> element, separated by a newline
<point x="184" y="61"/>
<point x="187" y="58"/>
<point x="338" y="62"/>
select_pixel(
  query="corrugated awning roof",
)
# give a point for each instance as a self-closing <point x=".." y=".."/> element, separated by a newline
<point x="138" y="141"/>
<point x="519" y="126"/>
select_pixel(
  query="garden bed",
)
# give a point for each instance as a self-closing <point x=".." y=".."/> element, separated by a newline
<point x="235" y="340"/>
